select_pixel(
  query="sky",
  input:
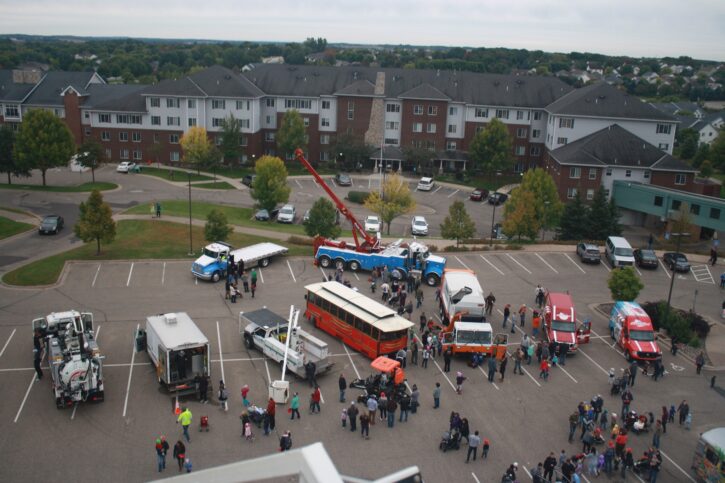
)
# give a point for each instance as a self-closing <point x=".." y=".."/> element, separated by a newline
<point x="637" y="28"/>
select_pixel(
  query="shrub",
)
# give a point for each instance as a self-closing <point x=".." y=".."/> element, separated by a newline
<point x="432" y="248"/>
<point x="694" y="342"/>
<point x="358" y="196"/>
<point x="300" y="240"/>
<point x="699" y="325"/>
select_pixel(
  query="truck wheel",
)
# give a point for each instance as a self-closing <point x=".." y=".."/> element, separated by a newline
<point x="432" y="279"/>
<point x="59" y="403"/>
<point x="354" y="265"/>
<point x="398" y="273"/>
<point x="248" y="342"/>
<point x="264" y="262"/>
<point x="325" y="261"/>
<point x="340" y="263"/>
<point x="216" y="276"/>
<point x="627" y="355"/>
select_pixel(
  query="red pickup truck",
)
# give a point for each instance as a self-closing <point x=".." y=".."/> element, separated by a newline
<point x="631" y="328"/>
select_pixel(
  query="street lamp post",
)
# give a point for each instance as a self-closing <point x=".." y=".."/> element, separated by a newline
<point x="672" y="280"/>
<point x="493" y="217"/>
<point x="191" y="249"/>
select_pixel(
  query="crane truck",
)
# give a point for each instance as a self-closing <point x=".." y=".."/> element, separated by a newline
<point x="367" y="252"/>
<point x="73" y="356"/>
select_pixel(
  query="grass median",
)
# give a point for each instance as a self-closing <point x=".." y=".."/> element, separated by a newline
<point x="218" y="185"/>
<point x="173" y="175"/>
<point x="80" y="188"/>
<point x="10" y="227"/>
<point x="135" y="240"/>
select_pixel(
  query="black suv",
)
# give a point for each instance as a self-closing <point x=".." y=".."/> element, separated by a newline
<point x="249" y="180"/>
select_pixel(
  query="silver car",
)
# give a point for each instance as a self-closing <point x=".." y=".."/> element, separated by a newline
<point x="287" y="214"/>
<point x="419" y="226"/>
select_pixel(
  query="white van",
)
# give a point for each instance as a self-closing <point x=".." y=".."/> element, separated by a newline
<point x="619" y="252"/>
<point x="425" y="184"/>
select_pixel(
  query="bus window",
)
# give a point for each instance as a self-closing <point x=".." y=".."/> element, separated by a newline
<point x="333" y="310"/>
<point x="375" y="334"/>
<point x="311" y="298"/>
<point x="711" y="455"/>
<point x="325" y="305"/>
<point x="392" y="335"/>
<point x="362" y="326"/>
<point x="350" y="319"/>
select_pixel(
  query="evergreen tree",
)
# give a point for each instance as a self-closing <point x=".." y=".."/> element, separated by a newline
<point x="600" y="216"/>
<point x="615" y="229"/>
<point x="573" y="225"/>
<point x="322" y="220"/>
<point x="8" y="162"/>
<point x="217" y="227"/>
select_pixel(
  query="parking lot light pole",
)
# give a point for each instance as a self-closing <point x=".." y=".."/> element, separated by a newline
<point x="191" y="249"/>
<point x="674" y="272"/>
<point x="493" y="217"/>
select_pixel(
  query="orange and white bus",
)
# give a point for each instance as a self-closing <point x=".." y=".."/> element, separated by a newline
<point x="360" y="322"/>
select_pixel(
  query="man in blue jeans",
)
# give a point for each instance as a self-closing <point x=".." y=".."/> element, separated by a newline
<point x="342" y="383"/>
<point x="437" y="396"/>
<point x="473" y="443"/>
<point x="392" y="407"/>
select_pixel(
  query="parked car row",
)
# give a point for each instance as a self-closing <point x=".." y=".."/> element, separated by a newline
<point x="619" y="253"/>
<point x="495" y="198"/>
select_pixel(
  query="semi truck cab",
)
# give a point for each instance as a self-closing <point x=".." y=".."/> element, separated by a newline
<point x="560" y="322"/>
<point x="632" y="329"/>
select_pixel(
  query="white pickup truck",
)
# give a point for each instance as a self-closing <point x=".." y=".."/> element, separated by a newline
<point x="212" y="264"/>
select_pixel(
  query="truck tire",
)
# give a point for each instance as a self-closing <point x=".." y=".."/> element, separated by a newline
<point x="264" y="262"/>
<point x="248" y="342"/>
<point x="432" y="279"/>
<point x="325" y="261"/>
<point x="628" y="355"/>
<point x="59" y="403"/>
<point x="354" y="265"/>
<point x="216" y="276"/>
<point x="340" y="263"/>
<point x="398" y="273"/>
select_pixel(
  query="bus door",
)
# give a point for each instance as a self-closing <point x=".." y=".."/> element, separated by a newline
<point x="448" y="341"/>
<point x="499" y="345"/>
<point x="583" y="332"/>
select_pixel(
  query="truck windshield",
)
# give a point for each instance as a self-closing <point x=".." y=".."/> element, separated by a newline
<point x="562" y="326"/>
<point x="643" y="335"/>
<point x="473" y="337"/>
<point x="210" y="253"/>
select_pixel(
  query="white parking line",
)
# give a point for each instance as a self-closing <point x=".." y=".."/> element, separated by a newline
<point x="637" y="269"/>
<point x="517" y="263"/>
<point x="298" y="183"/>
<point x="221" y="357"/>
<point x="30" y="386"/>
<point x="351" y="362"/>
<point x="593" y="361"/>
<point x="575" y="263"/>
<point x="324" y="275"/>
<point x="546" y="263"/>
<point x="130" y="272"/>
<point x="358" y="278"/>
<point x="7" y="342"/>
<point x="163" y="274"/>
<point x="332" y="180"/>
<point x="486" y="374"/>
<point x="290" y="271"/>
<point x="261" y="275"/>
<point x="434" y="191"/>
<point x="98" y="330"/>
<point x="461" y="262"/>
<point x="443" y="373"/>
<point x="130" y="373"/>
<point x="266" y="366"/>
<point x="475" y="477"/>
<point x="73" y="414"/>
<point x="93" y="284"/>
<point x="678" y="467"/>
<point x="567" y="373"/>
<point x="369" y="179"/>
<point x="664" y="268"/>
<point x="453" y="193"/>
<point x="492" y="265"/>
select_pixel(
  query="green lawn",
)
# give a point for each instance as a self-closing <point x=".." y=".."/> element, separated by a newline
<point x="219" y="185"/>
<point x="98" y="185"/>
<point x="490" y="183"/>
<point x="10" y="227"/>
<point x="135" y="240"/>
<point x="293" y="169"/>
<point x="172" y="175"/>
<point x="15" y="210"/>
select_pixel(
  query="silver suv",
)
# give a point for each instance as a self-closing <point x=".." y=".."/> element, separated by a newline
<point x="287" y="214"/>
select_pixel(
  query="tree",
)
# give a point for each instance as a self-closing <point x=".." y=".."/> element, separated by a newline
<point x="91" y="155"/>
<point x="703" y="153"/>
<point x="491" y="148"/>
<point x="717" y="151"/>
<point x="95" y="221"/>
<point x="546" y="197"/>
<point x="231" y="138"/>
<point x="43" y="142"/>
<point x="322" y="220"/>
<point x="351" y="150"/>
<point x="395" y="200"/>
<point x="599" y="217"/>
<point x="458" y="225"/>
<point x="687" y="139"/>
<point x="198" y="149"/>
<point x="615" y="229"/>
<point x="8" y="162"/>
<point x="270" y="186"/>
<point x="520" y="215"/>
<point x="706" y="169"/>
<point x="624" y="284"/>
<point x="291" y="134"/>
<point x="573" y="224"/>
<point x="421" y="158"/>
<point x="217" y="227"/>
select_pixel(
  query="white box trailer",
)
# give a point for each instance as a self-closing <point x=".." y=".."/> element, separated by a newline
<point x="179" y="351"/>
<point x="474" y="303"/>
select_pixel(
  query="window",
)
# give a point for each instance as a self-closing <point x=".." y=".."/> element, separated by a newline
<point x="350" y="110"/>
<point x="520" y="150"/>
<point x="571" y="193"/>
<point x="268" y="120"/>
<point x="174" y="156"/>
<point x="391" y="141"/>
<point x="392" y="107"/>
<point x="137" y="155"/>
<point x="481" y="112"/>
<point x="173" y="139"/>
<point x="306" y="121"/>
<point x="418" y="109"/>
<point x="664" y="128"/>
<point x="325" y="139"/>
<point x="124" y="153"/>
<point x="298" y="104"/>
<point x="519" y="167"/>
<point x="452" y="111"/>
<point x="417" y="127"/>
<point x="590" y="194"/>
<point x="664" y="146"/>
<point x="128" y="119"/>
<point x="270" y="102"/>
<point x="480" y="128"/>
<point x="87" y="131"/>
<point x="324" y="156"/>
<point x="109" y="153"/>
<point x="241" y="105"/>
<point x="609" y="172"/>
<point x="173" y="121"/>
<point x="325" y="122"/>
<point x="680" y="179"/>
<point x="537" y="115"/>
<point x="519" y="115"/>
<point x="218" y="140"/>
<point x="87" y="115"/>
<point x="430" y="145"/>
<point x="452" y="128"/>
<point x="659" y="201"/>
<point x="269" y="136"/>
<point x="451" y="145"/>
<point x="575" y="172"/>
<point x="628" y="173"/>
<point x="416" y="143"/>
<point x="218" y="104"/>
<point x="172" y="102"/>
<point x="593" y="173"/>
<point x="521" y="132"/>
<point x="155" y="120"/>
<point x="676" y="204"/>
<point x="536" y="133"/>
<point x="123" y="136"/>
<point x="156" y="138"/>
<point x="217" y="122"/>
<point x="647" y="174"/>
<point x="105" y="136"/>
<point x="192" y="121"/>
<point x="715" y="213"/>
<point x="562" y="140"/>
<point x="502" y="113"/>
<point x="191" y="103"/>
<point x="155" y="102"/>
<point x="695" y="210"/>
<point x="535" y="150"/>
<point x="431" y="128"/>
<point x="103" y="118"/>
<point x="566" y="122"/>
<point x="325" y="104"/>
<point x="392" y="125"/>
<point x="432" y="110"/>
<point x="136" y="137"/>
<point x="243" y="141"/>
<point x="244" y="123"/>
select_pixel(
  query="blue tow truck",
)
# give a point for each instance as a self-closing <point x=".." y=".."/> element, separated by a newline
<point x="212" y="264"/>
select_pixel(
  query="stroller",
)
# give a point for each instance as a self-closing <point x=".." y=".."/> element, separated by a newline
<point x="256" y="415"/>
<point x="450" y="440"/>
<point x="618" y="386"/>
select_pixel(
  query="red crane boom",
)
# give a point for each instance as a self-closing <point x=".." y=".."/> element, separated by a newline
<point x="364" y="242"/>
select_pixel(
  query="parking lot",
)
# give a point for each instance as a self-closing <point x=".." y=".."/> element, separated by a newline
<point x="523" y="416"/>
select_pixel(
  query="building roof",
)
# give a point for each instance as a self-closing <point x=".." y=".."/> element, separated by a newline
<point x="362" y="87"/>
<point x="183" y="87"/>
<point x="390" y="153"/>
<point x="604" y="100"/>
<point x="115" y="97"/>
<point x="49" y="89"/>
<point x="218" y="81"/>
<point x="615" y="146"/>
<point x="424" y="91"/>
<point x="12" y="91"/>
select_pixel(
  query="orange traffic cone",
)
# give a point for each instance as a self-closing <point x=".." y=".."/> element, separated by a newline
<point x="177" y="409"/>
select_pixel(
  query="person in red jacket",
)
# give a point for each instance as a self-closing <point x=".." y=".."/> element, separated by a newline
<point x="315" y="400"/>
<point x="271" y="409"/>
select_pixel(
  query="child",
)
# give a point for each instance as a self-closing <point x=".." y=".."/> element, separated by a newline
<point x="343" y="417"/>
<point x="486" y="446"/>
<point x="554" y="360"/>
<point x="254" y="287"/>
<point x="688" y="420"/>
<point x="245" y="391"/>
<point x="671" y="418"/>
<point x="187" y="465"/>
<point x="223" y="395"/>
<point x="248" y="432"/>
